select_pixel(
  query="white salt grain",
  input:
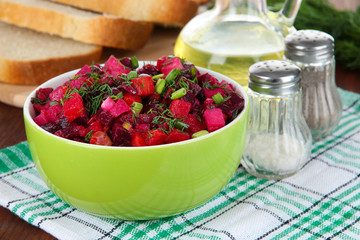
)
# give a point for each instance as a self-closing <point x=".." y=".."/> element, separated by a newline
<point x="276" y="152"/>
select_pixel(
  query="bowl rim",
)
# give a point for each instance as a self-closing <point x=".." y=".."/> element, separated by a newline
<point x="64" y="77"/>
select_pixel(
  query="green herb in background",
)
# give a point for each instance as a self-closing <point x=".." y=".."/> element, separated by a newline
<point x="343" y="25"/>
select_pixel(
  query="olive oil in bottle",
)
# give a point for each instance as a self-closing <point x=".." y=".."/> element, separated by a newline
<point x="230" y="47"/>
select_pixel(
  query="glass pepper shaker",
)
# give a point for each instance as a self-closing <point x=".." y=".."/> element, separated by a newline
<point x="279" y="140"/>
<point x="313" y="52"/>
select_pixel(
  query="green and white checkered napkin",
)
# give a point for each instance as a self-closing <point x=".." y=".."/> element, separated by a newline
<point x="322" y="201"/>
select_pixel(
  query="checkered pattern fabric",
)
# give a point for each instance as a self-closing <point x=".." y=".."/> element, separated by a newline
<point x="322" y="201"/>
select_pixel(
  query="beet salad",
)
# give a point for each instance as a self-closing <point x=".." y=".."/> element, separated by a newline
<point x="122" y="104"/>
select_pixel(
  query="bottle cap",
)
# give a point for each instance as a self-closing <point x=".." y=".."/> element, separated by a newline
<point x="309" y="46"/>
<point x="274" y="77"/>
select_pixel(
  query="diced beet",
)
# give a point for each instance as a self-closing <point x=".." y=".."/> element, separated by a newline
<point x="223" y="88"/>
<point x="155" y="137"/>
<point x="126" y="117"/>
<point x="107" y="104"/>
<point x="100" y="138"/>
<point x="214" y="119"/>
<point x="51" y="127"/>
<point x="63" y="122"/>
<point x="73" y="107"/>
<point x="177" y="136"/>
<point x="209" y="103"/>
<point x="54" y="112"/>
<point x="131" y="98"/>
<point x="144" y="85"/>
<point x="58" y="93"/>
<point x="72" y="131"/>
<point x="151" y="107"/>
<point x="233" y="105"/>
<point x="189" y="97"/>
<point x="96" y="68"/>
<point x="82" y="130"/>
<point x="196" y="107"/>
<point x="96" y="126"/>
<point x="149" y="70"/>
<point x="107" y="129"/>
<point x="225" y="117"/>
<point x="170" y="64"/>
<point x="160" y="62"/>
<point x="59" y="133"/>
<point x="41" y="118"/>
<point x="104" y="117"/>
<point x="187" y="71"/>
<point x="115" y="91"/>
<point x="137" y="140"/>
<point x="164" y="126"/>
<point x="207" y="78"/>
<point x="120" y="136"/>
<point x="142" y="127"/>
<point x="114" y="67"/>
<point x="109" y="80"/>
<point x="154" y="98"/>
<point x="41" y="107"/>
<point x="130" y="89"/>
<point x="126" y="61"/>
<point x="116" y="108"/>
<point x="92" y="119"/>
<point x="180" y="108"/>
<point x="195" y="88"/>
<point x="76" y="83"/>
<point x="146" y="118"/>
<point x="84" y="70"/>
<point x="226" y="85"/>
<point x="211" y="92"/>
<point x="83" y="119"/>
<point x="38" y="108"/>
<point x="43" y="93"/>
<point x="167" y="97"/>
<point x="195" y="124"/>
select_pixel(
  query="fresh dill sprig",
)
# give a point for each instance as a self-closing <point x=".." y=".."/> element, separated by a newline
<point x="88" y="136"/>
<point x="36" y="100"/>
<point x="94" y="95"/>
<point x="183" y="84"/>
<point x="343" y="25"/>
<point x="68" y="94"/>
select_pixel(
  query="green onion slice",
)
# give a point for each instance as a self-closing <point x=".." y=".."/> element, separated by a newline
<point x="160" y="85"/>
<point x="199" y="134"/>
<point x="136" y="108"/>
<point x="178" y="94"/>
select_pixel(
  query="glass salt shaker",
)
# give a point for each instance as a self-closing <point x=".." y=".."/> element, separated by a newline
<point x="313" y="52"/>
<point x="279" y="140"/>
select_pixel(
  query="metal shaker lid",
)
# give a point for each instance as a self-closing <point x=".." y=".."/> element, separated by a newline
<point x="309" y="46"/>
<point x="274" y="77"/>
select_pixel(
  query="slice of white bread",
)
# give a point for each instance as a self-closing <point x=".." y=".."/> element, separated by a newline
<point x="81" y="25"/>
<point x="28" y="57"/>
<point x="166" y="12"/>
<point x="202" y="1"/>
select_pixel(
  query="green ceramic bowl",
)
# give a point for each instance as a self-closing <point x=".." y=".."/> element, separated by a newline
<point x="142" y="182"/>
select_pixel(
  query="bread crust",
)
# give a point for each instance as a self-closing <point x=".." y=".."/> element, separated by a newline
<point x="101" y="30"/>
<point x="35" y="72"/>
<point x="168" y="12"/>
